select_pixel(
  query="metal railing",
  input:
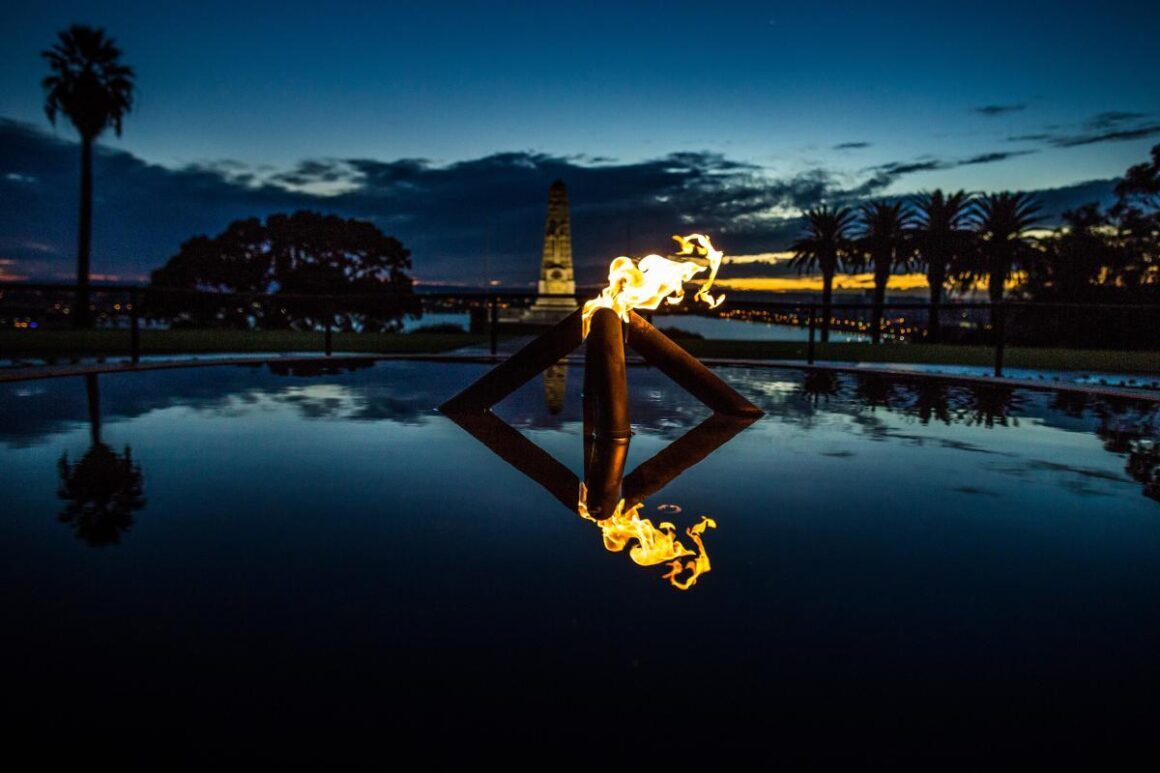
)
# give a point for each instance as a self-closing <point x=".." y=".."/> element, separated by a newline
<point x="48" y="305"/>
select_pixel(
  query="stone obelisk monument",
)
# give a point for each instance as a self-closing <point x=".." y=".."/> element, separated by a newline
<point x="556" y="265"/>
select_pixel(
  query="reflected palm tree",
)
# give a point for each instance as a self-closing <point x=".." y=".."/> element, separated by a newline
<point x="826" y="247"/>
<point x="990" y="405"/>
<point x="942" y="238"/>
<point x="931" y="400"/>
<point x="819" y="385"/>
<point x="881" y="248"/>
<point x="874" y="390"/>
<point x="103" y="489"/>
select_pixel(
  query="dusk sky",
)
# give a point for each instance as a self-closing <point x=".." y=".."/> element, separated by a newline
<point x="445" y="122"/>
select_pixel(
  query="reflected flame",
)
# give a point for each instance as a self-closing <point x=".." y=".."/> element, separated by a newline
<point x="644" y="284"/>
<point x="653" y="544"/>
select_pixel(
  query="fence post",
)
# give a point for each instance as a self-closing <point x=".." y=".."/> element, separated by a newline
<point x="329" y="325"/>
<point x="493" y="322"/>
<point x="999" y="315"/>
<point x="134" y="327"/>
<point x="813" y="326"/>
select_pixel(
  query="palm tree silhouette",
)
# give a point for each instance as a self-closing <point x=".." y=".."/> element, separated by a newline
<point x="1001" y="222"/>
<point x="825" y="246"/>
<point x="882" y="246"/>
<point x="91" y="87"/>
<point x="104" y="488"/>
<point x="942" y="238"/>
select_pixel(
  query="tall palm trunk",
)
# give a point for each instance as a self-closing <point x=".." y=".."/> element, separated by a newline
<point x="995" y="281"/>
<point x="881" y="277"/>
<point x="935" y="278"/>
<point x="827" y="299"/>
<point x="84" y="235"/>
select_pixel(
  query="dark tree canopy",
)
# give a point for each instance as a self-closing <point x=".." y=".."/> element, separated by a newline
<point x="305" y="253"/>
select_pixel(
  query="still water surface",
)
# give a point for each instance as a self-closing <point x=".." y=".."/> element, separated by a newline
<point x="295" y="562"/>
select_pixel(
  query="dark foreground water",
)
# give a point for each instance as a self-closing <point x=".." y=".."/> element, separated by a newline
<point x="311" y="567"/>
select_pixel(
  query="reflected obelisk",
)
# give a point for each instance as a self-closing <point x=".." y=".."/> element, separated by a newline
<point x="556" y="264"/>
<point x="556" y="386"/>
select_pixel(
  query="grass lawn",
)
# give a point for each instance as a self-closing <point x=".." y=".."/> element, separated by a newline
<point x="934" y="354"/>
<point x="70" y="343"/>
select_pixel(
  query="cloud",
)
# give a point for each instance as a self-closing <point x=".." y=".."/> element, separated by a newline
<point x="884" y="175"/>
<point x="466" y="222"/>
<point x="992" y="110"/>
<point x="851" y="145"/>
<point x="990" y="158"/>
<point x="1111" y="126"/>
<point x="1111" y="118"/>
<point x="1108" y="135"/>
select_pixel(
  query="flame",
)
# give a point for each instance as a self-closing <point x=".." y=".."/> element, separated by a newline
<point x="644" y="284"/>
<point x="653" y="544"/>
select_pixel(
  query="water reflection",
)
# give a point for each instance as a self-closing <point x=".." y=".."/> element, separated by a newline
<point x="555" y="387"/>
<point x="404" y="393"/>
<point x="611" y="499"/>
<point x="103" y="489"/>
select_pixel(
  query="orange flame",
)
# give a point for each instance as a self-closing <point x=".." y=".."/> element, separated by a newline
<point x="653" y="544"/>
<point x="644" y="284"/>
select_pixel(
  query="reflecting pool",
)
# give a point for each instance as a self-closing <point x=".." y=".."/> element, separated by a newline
<point x="306" y="561"/>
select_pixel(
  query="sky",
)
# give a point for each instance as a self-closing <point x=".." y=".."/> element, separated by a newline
<point x="445" y="122"/>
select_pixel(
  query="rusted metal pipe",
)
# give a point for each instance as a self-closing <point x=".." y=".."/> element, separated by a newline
<point x="507" y="443"/>
<point x="604" y="459"/>
<point x="686" y="370"/>
<point x="521" y="367"/>
<point x="684" y="452"/>
<point x="606" y="377"/>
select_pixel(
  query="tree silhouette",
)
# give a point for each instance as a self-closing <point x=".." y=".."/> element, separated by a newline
<point x="1073" y="262"/>
<point x="104" y="488"/>
<point x="305" y="253"/>
<point x="881" y="245"/>
<point x="90" y="86"/>
<point x="1001" y="221"/>
<point x="825" y="246"/>
<point x="1137" y="221"/>
<point x="1141" y="184"/>
<point x="942" y="239"/>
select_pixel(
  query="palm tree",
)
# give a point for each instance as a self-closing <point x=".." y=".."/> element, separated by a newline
<point x="824" y="246"/>
<point x="882" y="246"/>
<point x="90" y="86"/>
<point x="1001" y="222"/>
<point x="943" y="240"/>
